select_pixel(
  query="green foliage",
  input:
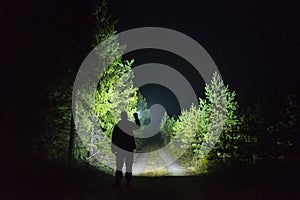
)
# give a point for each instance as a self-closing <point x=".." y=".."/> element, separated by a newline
<point x="54" y="142"/>
<point x="186" y="127"/>
<point x="262" y="131"/>
<point x="143" y="111"/>
<point x="115" y="94"/>
<point x="98" y="111"/>
<point x="167" y="128"/>
<point x="281" y="127"/>
<point x="203" y="127"/>
<point x="144" y="116"/>
<point x="212" y="125"/>
<point x="229" y="139"/>
<point x="269" y="131"/>
<point x="115" y="91"/>
<point x="105" y="25"/>
<point x="216" y="93"/>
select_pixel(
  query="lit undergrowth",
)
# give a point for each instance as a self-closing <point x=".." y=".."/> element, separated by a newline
<point x="193" y="165"/>
<point x="153" y="161"/>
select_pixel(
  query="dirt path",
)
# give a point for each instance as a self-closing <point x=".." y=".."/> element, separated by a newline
<point x="158" y="161"/>
<point x="139" y="164"/>
<point x="172" y="166"/>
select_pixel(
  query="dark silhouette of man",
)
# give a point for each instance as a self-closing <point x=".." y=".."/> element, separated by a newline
<point x="123" y="145"/>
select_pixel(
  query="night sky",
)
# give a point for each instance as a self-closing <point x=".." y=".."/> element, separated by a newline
<point x="255" y="44"/>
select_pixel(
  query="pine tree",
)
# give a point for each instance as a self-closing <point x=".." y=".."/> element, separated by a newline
<point x="187" y="127"/>
<point x="98" y="111"/>
<point x="167" y="128"/>
<point x="222" y="135"/>
<point x="203" y="127"/>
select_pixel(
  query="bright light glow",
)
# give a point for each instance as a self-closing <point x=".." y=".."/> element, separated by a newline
<point x="139" y="112"/>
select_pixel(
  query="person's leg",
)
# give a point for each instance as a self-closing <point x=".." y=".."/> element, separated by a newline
<point x="119" y="165"/>
<point x="128" y="163"/>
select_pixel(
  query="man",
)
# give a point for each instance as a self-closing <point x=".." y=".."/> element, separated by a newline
<point x="123" y="145"/>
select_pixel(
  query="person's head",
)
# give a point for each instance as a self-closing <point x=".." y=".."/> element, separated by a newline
<point x="124" y="115"/>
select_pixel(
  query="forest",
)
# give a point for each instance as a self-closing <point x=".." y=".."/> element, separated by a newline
<point x="58" y="138"/>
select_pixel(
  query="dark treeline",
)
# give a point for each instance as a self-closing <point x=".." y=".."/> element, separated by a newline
<point x="45" y="43"/>
<point x="268" y="131"/>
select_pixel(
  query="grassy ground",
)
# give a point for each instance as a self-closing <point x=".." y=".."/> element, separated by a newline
<point x="60" y="181"/>
<point x="153" y="161"/>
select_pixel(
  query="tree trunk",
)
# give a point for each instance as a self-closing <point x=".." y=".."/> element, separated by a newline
<point x="91" y="151"/>
<point x="72" y="136"/>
